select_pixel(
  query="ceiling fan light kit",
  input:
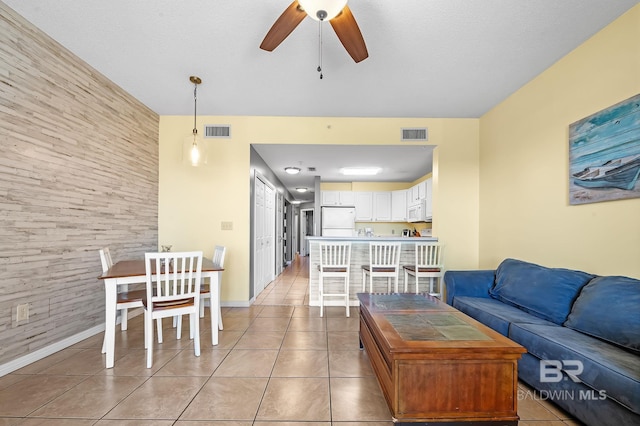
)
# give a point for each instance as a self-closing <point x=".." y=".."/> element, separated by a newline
<point x="322" y="10"/>
<point x="335" y="11"/>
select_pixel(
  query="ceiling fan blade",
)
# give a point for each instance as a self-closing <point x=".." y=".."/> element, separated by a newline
<point x="283" y="26"/>
<point x="348" y="32"/>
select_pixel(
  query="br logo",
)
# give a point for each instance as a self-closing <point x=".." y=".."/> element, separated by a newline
<point x="551" y="370"/>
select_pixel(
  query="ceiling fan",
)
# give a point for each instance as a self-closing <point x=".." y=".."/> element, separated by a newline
<point x="335" y="11"/>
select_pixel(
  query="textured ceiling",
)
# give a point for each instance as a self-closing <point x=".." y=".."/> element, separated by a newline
<point x="427" y="58"/>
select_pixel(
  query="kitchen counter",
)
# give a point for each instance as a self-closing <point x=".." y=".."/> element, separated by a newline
<point x="359" y="257"/>
<point x="363" y="239"/>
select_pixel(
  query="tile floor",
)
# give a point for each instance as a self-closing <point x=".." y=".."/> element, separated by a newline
<point x="277" y="362"/>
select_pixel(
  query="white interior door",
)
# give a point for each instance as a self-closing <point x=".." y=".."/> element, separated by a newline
<point x="270" y="234"/>
<point x="306" y="230"/>
<point x="259" y="244"/>
<point x="264" y="234"/>
<point x="279" y="252"/>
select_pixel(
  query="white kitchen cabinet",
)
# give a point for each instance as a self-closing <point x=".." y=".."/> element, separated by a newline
<point x="347" y="198"/>
<point x="399" y="205"/>
<point x="330" y="198"/>
<point x="363" y="201"/>
<point x="382" y="206"/>
<point x="338" y="198"/>
<point x="422" y="210"/>
<point x="428" y="205"/>
<point x="418" y="192"/>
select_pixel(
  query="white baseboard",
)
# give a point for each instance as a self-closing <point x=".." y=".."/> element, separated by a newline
<point x="37" y="355"/>
<point x="236" y="304"/>
<point x="231" y="304"/>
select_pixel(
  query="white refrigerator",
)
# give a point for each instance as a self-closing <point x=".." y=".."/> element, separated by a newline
<point x="338" y="221"/>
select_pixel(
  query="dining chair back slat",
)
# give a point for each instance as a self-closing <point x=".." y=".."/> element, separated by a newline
<point x="124" y="299"/>
<point x="176" y="278"/>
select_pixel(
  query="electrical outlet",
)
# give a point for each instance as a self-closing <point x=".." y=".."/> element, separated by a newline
<point x="226" y="226"/>
<point x="22" y="312"/>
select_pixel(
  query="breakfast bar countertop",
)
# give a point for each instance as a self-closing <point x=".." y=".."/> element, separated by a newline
<point x="359" y="257"/>
<point x="362" y="239"/>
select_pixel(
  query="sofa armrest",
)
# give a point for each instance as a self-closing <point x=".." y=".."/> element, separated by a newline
<point x="468" y="283"/>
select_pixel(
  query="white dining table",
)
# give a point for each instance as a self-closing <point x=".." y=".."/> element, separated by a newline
<point x="128" y="272"/>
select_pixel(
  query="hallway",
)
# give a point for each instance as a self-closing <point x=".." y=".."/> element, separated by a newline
<point x="289" y="288"/>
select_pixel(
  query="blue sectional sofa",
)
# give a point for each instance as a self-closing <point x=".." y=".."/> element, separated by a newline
<point x="581" y="332"/>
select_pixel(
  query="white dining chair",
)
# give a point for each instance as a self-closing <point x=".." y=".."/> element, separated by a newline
<point x="384" y="262"/>
<point x="335" y="262"/>
<point x="174" y="291"/>
<point x="125" y="299"/>
<point x="429" y="263"/>
<point x="219" y="253"/>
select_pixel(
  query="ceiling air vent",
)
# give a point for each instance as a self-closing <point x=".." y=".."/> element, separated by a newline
<point x="217" y="131"/>
<point x="311" y="169"/>
<point x="415" y="134"/>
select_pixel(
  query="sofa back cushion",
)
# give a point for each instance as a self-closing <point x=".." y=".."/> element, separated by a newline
<point x="609" y="308"/>
<point x="547" y="293"/>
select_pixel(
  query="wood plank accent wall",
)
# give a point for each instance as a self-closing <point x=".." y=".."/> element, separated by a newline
<point x="78" y="171"/>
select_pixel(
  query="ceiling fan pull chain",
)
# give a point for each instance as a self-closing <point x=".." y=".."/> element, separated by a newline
<point x="320" y="48"/>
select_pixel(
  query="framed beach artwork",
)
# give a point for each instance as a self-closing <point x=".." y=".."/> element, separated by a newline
<point x="604" y="154"/>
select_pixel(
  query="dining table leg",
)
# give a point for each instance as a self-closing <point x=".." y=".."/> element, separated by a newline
<point x="214" y="301"/>
<point x="110" y="293"/>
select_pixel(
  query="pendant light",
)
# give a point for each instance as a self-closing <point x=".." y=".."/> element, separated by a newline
<point x="194" y="150"/>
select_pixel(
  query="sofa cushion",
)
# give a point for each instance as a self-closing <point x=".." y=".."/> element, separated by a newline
<point x="609" y="308"/>
<point x="605" y="367"/>
<point x="545" y="292"/>
<point x="493" y="313"/>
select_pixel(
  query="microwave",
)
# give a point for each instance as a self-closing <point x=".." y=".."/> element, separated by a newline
<point x="418" y="212"/>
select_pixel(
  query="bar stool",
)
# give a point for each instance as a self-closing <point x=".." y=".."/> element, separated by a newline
<point x="384" y="262"/>
<point x="335" y="262"/>
<point x="429" y="263"/>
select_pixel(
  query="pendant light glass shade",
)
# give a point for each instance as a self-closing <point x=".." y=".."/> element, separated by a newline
<point x="330" y="7"/>
<point x="193" y="148"/>
<point x="194" y="151"/>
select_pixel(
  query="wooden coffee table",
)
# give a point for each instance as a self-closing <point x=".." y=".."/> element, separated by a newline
<point x="436" y="365"/>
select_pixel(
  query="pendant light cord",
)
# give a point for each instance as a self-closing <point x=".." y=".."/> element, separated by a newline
<point x="195" y="108"/>
<point x="320" y="48"/>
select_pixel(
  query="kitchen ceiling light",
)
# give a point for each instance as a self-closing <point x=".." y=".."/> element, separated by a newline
<point x="292" y="170"/>
<point x="360" y="171"/>
<point x="301" y="189"/>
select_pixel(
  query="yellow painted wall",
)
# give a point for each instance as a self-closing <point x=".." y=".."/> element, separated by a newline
<point x="193" y="201"/>
<point x="524" y="157"/>
<point x="456" y="193"/>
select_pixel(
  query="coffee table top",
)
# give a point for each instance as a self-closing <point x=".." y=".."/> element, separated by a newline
<point x="433" y="326"/>
<point x="406" y="322"/>
<point x="389" y="302"/>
